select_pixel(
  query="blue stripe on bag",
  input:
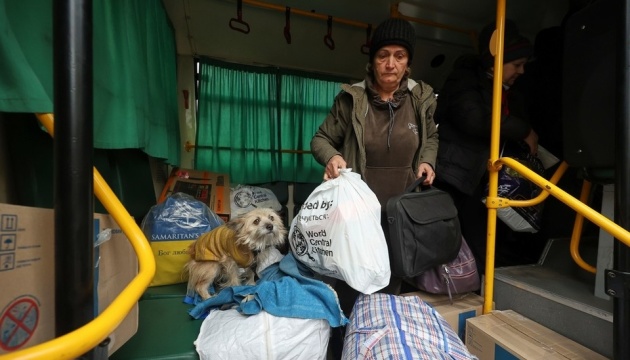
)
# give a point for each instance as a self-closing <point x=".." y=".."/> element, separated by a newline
<point x="403" y="340"/>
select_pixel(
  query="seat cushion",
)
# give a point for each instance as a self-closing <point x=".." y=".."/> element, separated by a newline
<point x="165" y="331"/>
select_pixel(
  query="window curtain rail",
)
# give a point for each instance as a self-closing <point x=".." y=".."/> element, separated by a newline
<point x="189" y="146"/>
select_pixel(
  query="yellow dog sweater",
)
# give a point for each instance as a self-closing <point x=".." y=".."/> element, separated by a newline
<point x="219" y="243"/>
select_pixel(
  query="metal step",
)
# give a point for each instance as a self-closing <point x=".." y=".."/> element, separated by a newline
<point x="558" y="295"/>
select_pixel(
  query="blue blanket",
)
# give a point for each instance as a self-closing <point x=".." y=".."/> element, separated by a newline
<point x="285" y="289"/>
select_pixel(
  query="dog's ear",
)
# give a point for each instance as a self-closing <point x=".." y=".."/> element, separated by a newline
<point x="236" y="224"/>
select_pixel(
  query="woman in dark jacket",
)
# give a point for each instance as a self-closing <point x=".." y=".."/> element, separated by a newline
<point x="464" y="115"/>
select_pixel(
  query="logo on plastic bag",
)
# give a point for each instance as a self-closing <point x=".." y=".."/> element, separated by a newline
<point x="243" y="198"/>
<point x="300" y="244"/>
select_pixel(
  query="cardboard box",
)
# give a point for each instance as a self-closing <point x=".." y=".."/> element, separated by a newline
<point x="210" y="188"/>
<point x="27" y="276"/>
<point x="462" y="307"/>
<point x="509" y="335"/>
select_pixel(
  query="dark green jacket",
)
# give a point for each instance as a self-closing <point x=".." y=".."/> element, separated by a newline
<point x="341" y="133"/>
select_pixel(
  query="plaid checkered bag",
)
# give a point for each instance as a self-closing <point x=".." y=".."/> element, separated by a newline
<point x="386" y="326"/>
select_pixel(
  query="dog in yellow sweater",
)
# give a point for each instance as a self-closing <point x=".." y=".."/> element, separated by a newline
<point x="226" y="255"/>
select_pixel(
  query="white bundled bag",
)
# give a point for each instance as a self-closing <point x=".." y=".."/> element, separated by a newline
<point x="228" y="334"/>
<point x="338" y="233"/>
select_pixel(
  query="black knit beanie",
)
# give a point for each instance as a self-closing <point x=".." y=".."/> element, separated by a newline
<point x="516" y="46"/>
<point x="393" y="32"/>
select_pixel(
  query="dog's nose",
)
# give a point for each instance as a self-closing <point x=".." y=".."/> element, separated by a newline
<point x="269" y="227"/>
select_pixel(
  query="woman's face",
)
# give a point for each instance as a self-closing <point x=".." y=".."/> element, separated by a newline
<point x="390" y="64"/>
<point x="512" y="70"/>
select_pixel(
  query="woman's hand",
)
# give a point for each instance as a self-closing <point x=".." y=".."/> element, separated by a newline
<point x="332" y="168"/>
<point x="532" y="141"/>
<point x="427" y="170"/>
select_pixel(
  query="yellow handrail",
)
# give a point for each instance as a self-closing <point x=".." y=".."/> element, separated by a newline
<point x="548" y="186"/>
<point x="395" y="13"/>
<point x="87" y="337"/>
<point x="493" y="180"/>
<point x="577" y="232"/>
<point x="581" y="208"/>
<point x="500" y="202"/>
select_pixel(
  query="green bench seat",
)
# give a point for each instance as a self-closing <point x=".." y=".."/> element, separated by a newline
<point x="165" y="330"/>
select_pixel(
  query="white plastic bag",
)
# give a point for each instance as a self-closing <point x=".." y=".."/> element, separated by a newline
<point x="338" y="233"/>
<point x="245" y="198"/>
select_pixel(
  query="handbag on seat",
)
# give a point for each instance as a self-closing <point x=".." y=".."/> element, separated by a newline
<point x="455" y="277"/>
<point x="424" y="230"/>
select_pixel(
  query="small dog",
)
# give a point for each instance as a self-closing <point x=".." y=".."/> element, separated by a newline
<point x="227" y="254"/>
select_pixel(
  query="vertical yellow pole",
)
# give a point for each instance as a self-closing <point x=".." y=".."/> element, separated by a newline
<point x="494" y="153"/>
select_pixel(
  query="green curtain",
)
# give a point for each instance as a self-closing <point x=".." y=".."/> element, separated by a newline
<point x="256" y="123"/>
<point x="135" y="75"/>
<point x="238" y="122"/>
<point x="26" y="78"/>
<point x="305" y="102"/>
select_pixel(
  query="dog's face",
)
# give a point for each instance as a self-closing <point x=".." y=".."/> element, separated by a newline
<point x="259" y="229"/>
